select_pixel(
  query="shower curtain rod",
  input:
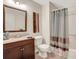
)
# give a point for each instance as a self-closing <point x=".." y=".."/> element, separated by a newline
<point x="57" y="9"/>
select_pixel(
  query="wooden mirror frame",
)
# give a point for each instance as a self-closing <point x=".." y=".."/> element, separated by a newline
<point x="35" y="22"/>
<point x="4" y="19"/>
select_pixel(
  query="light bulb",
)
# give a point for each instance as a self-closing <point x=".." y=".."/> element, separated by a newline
<point x="17" y="3"/>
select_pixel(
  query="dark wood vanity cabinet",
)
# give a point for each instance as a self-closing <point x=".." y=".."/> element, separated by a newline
<point x="19" y="50"/>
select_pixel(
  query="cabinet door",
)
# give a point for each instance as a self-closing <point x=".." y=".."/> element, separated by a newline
<point x="28" y="52"/>
<point x="12" y="53"/>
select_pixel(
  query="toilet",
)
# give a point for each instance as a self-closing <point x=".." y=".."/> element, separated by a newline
<point x="41" y="47"/>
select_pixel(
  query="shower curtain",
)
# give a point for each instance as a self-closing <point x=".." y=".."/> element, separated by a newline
<point x="59" y="32"/>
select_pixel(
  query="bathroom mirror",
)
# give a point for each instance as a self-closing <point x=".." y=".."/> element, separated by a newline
<point x="35" y="22"/>
<point x="14" y="20"/>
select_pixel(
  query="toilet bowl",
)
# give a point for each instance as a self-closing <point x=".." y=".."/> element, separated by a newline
<point x="43" y="49"/>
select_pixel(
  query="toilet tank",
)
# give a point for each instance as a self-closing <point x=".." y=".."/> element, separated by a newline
<point x="38" y="40"/>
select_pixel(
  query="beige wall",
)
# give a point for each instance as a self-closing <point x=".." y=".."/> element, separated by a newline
<point x="45" y="23"/>
<point x="46" y="9"/>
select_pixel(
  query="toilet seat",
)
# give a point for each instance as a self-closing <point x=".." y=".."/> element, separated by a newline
<point x="43" y="46"/>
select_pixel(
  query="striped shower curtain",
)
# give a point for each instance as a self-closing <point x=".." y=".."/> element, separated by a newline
<point x="59" y="32"/>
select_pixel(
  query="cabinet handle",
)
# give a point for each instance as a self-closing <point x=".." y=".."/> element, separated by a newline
<point x="22" y="49"/>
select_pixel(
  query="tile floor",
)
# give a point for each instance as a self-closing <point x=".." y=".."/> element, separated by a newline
<point x="50" y="56"/>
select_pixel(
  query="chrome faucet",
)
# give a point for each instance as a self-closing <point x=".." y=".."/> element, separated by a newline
<point x="5" y="35"/>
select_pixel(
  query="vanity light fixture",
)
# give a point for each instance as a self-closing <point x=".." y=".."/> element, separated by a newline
<point x="17" y="4"/>
<point x="20" y="5"/>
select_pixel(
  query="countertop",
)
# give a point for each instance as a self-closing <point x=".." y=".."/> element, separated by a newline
<point x="15" y="39"/>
